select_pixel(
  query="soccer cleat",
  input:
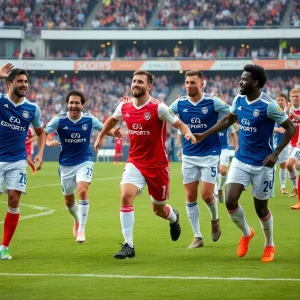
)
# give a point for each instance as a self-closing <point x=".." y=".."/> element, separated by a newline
<point x="283" y="191"/>
<point x="294" y="193"/>
<point x="215" y="230"/>
<point x="296" y="206"/>
<point x="125" y="252"/>
<point x="175" y="228"/>
<point x="75" y="228"/>
<point x="244" y="244"/>
<point x="221" y="196"/>
<point x="34" y="171"/>
<point x="269" y="253"/>
<point x="4" y="254"/>
<point x="196" y="243"/>
<point x="80" y="237"/>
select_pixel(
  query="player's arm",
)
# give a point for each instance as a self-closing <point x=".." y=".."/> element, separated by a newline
<point x="179" y="145"/>
<point x="279" y="130"/>
<point x="115" y="132"/>
<point x="50" y="127"/>
<point x="166" y="114"/>
<point x="234" y="138"/>
<point x="41" y="137"/>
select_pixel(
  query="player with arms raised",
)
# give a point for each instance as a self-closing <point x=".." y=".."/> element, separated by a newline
<point x="146" y="120"/>
<point x="16" y="115"/>
<point x="254" y="161"/>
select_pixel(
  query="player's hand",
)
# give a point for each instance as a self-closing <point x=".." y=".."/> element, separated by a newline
<point x="53" y="143"/>
<point x="281" y="130"/>
<point x="119" y="133"/>
<point x="199" y="137"/>
<point x="98" y="143"/>
<point x="270" y="160"/>
<point x="190" y="137"/>
<point x="298" y="144"/>
<point x="126" y="99"/>
<point x="179" y="154"/>
<point x="5" y="70"/>
<point x="39" y="159"/>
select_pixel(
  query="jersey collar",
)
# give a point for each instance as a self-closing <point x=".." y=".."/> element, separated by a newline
<point x="253" y="101"/>
<point x="140" y="107"/>
<point x="13" y="103"/>
<point x="196" y="103"/>
<point x="74" y="121"/>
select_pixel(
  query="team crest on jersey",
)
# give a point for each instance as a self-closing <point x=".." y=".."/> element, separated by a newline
<point x="204" y="110"/>
<point x="147" y="116"/>
<point x="256" y="112"/>
<point x="84" y="127"/>
<point x="25" y="114"/>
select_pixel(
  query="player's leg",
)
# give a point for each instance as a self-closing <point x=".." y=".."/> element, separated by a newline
<point x="291" y="162"/>
<point x="131" y="185"/>
<point x="282" y="159"/>
<point x="238" y="178"/>
<point x="208" y="181"/>
<point x="191" y="177"/>
<point x="158" y="181"/>
<point x="115" y="157"/>
<point x="68" y="184"/>
<point x="14" y="175"/>
<point x="263" y="183"/>
<point x="84" y="174"/>
<point x="222" y="174"/>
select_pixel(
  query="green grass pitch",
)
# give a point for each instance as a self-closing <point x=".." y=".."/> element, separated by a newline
<point x="53" y="264"/>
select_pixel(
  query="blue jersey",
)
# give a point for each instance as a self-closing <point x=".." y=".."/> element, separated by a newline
<point x="74" y="137"/>
<point x="256" y="124"/>
<point x="14" y="122"/>
<point x="223" y="135"/>
<point x="277" y="136"/>
<point x="199" y="117"/>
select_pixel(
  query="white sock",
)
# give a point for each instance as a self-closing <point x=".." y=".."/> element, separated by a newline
<point x="127" y="221"/>
<point x="2" y="247"/>
<point x="266" y="224"/>
<point x="73" y="210"/>
<point x="192" y="210"/>
<point x="282" y="177"/>
<point x="221" y="181"/>
<point x="171" y="215"/>
<point x="83" y="211"/>
<point x="238" y="217"/>
<point x="293" y="178"/>
<point x="213" y="208"/>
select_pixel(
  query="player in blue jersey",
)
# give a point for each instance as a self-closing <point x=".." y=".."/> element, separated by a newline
<point x="74" y="129"/>
<point x="16" y="114"/>
<point x="200" y="111"/>
<point x="254" y="161"/>
<point x="282" y="101"/>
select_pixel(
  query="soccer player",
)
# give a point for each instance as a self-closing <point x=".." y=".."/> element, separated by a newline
<point x="29" y="148"/>
<point x="200" y="111"/>
<point x="16" y="114"/>
<point x="118" y="150"/>
<point x="224" y="157"/>
<point x="254" y="161"/>
<point x="292" y="162"/>
<point x="74" y="129"/>
<point x="146" y="119"/>
<point x="282" y="101"/>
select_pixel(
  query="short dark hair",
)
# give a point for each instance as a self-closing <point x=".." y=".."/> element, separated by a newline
<point x="150" y="77"/>
<point x="76" y="93"/>
<point x="257" y="73"/>
<point x="15" y="72"/>
<point x="283" y="95"/>
<point x="193" y="73"/>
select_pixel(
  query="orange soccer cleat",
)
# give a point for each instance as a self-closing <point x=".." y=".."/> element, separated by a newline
<point x="296" y="206"/>
<point x="244" y="243"/>
<point x="283" y="191"/>
<point x="269" y="253"/>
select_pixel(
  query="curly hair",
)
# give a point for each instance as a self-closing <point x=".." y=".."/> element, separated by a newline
<point x="257" y="73"/>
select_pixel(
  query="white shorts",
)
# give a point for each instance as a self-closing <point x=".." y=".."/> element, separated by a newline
<point x="284" y="154"/>
<point x="197" y="168"/>
<point x="261" y="178"/>
<point x="224" y="157"/>
<point x="295" y="153"/>
<point x="133" y="176"/>
<point x="70" y="175"/>
<point x="15" y="176"/>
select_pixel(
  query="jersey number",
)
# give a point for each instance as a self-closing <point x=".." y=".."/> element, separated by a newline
<point x="213" y="172"/>
<point x="268" y="186"/>
<point x="23" y="179"/>
<point x="89" y="172"/>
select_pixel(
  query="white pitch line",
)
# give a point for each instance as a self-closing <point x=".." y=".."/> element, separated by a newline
<point x="44" y="211"/>
<point x="58" y="184"/>
<point x="151" y="277"/>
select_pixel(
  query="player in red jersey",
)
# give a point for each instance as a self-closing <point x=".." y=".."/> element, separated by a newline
<point x="29" y="148"/>
<point x="118" y="150"/>
<point x="294" y="113"/>
<point x="146" y="120"/>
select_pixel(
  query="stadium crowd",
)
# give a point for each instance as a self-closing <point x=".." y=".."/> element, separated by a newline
<point x="295" y="14"/>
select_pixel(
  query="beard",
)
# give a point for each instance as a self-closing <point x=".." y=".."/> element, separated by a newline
<point x="139" y="93"/>
<point x="18" y="94"/>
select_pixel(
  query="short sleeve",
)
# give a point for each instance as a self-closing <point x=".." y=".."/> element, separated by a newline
<point x="52" y="125"/>
<point x="275" y="113"/>
<point x="174" y="107"/>
<point x="166" y="114"/>
<point x="233" y="106"/>
<point x="37" y="120"/>
<point x="96" y="124"/>
<point x="118" y="112"/>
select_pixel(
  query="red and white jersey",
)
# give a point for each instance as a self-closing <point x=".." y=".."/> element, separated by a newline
<point x="147" y="131"/>
<point x="296" y="123"/>
<point x="30" y="135"/>
<point x="118" y="143"/>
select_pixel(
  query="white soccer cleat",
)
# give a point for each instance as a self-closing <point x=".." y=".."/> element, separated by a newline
<point x="80" y="237"/>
